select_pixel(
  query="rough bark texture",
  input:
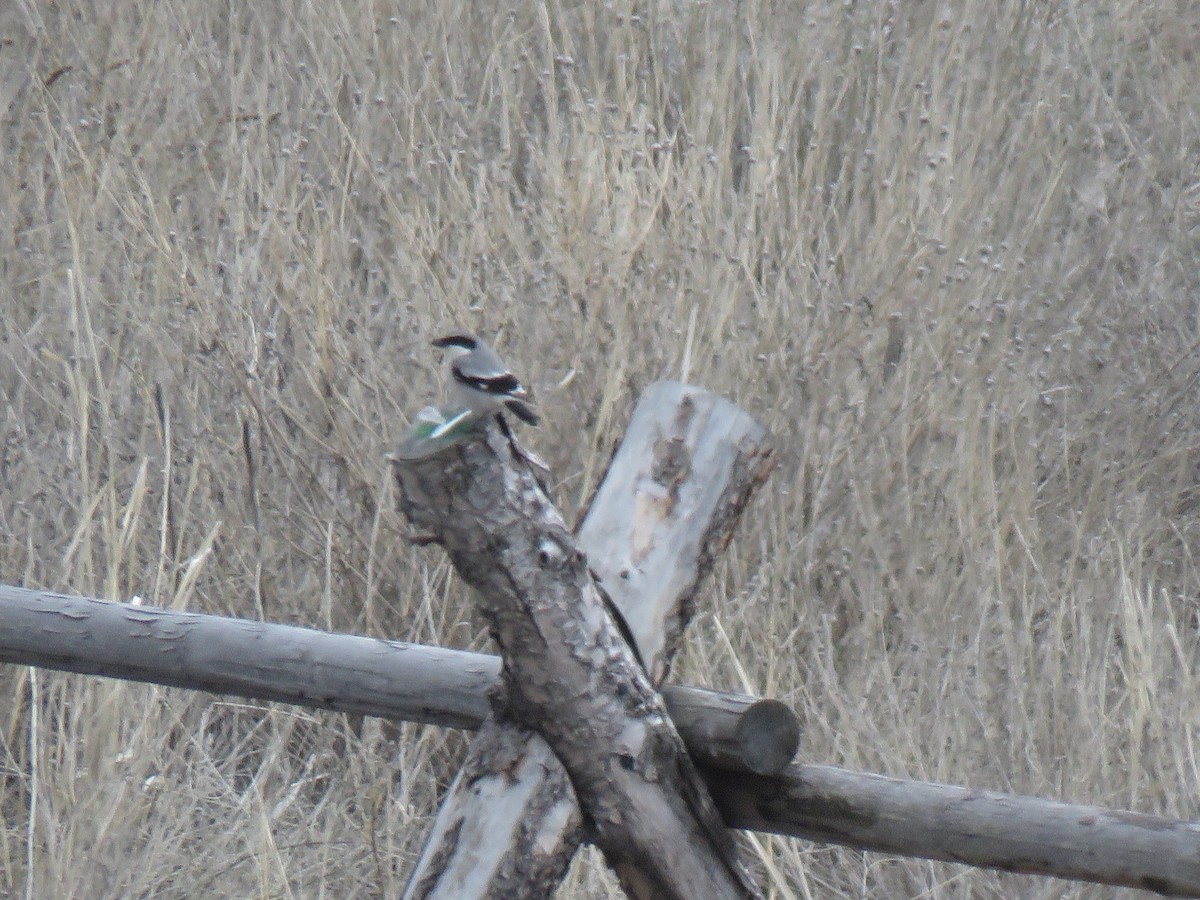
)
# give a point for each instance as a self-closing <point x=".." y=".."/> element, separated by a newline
<point x="342" y="672"/>
<point x="688" y="464"/>
<point x="568" y="674"/>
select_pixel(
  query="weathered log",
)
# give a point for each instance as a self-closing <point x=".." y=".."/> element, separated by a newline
<point x="760" y="737"/>
<point x="978" y="828"/>
<point x="448" y="687"/>
<point x="671" y="422"/>
<point x="568" y="673"/>
<point x="667" y="508"/>
<point x="342" y="672"/>
<point x="531" y="804"/>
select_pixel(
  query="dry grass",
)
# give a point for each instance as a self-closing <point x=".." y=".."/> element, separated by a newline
<point x="946" y="251"/>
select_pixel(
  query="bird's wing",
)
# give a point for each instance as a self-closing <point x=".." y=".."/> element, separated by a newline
<point x="496" y="382"/>
<point x="449" y="425"/>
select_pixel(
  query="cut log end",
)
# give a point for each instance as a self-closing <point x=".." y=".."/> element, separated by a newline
<point x="767" y="736"/>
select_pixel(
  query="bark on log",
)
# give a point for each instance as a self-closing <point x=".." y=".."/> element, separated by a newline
<point x="568" y="674"/>
<point x="342" y="672"/>
<point x="669" y="502"/>
<point x="429" y="684"/>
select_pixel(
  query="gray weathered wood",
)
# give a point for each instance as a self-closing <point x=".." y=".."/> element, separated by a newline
<point x="978" y="828"/>
<point x="686" y="467"/>
<point x="760" y="737"/>
<point x="515" y="774"/>
<point x="341" y="672"/>
<point x="670" y="500"/>
<point x="568" y="673"/>
<point x="507" y="827"/>
<point x="428" y="684"/>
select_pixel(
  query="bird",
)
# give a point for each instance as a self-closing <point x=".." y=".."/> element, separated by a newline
<point x="480" y="382"/>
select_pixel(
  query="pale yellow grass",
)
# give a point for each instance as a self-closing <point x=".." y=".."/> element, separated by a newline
<point x="947" y="252"/>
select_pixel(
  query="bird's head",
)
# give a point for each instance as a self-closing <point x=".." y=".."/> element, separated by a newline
<point x="456" y="344"/>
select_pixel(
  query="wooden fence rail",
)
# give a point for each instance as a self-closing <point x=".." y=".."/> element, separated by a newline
<point x="449" y="687"/>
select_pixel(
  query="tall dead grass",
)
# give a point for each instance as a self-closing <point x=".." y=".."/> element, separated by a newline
<point x="946" y="252"/>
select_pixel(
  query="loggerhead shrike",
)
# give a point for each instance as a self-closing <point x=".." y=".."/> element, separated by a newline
<point x="480" y="382"/>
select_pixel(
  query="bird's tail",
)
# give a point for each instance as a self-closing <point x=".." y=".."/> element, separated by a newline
<point x="522" y="410"/>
